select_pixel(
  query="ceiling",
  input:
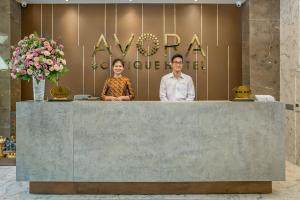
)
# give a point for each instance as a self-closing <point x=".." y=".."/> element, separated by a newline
<point x="129" y="1"/>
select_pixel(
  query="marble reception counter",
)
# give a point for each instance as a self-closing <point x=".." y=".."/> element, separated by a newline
<point x="131" y="143"/>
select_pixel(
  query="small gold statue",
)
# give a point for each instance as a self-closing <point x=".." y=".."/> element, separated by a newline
<point x="2" y="141"/>
<point x="60" y="93"/>
<point x="242" y="93"/>
<point x="11" y="155"/>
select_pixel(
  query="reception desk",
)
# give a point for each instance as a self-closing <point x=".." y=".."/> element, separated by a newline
<point x="150" y="147"/>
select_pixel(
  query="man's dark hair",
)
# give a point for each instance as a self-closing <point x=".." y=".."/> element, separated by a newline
<point x="118" y="60"/>
<point x="177" y="56"/>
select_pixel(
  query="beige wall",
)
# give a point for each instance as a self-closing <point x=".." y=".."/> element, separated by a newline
<point x="79" y="26"/>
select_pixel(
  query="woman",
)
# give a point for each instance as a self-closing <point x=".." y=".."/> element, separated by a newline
<point x="118" y="87"/>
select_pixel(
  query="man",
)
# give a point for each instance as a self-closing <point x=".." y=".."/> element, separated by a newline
<point x="176" y="86"/>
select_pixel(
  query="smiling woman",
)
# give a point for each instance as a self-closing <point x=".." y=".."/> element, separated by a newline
<point x="118" y="87"/>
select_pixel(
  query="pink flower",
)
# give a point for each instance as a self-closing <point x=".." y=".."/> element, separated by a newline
<point x="49" y="62"/>
<point x="49" y="49"/>
<point x="23" y="72"/>
<point x="39" y="77"/>
<point x="53" y="51"/>
<point x="56" y="67"/>
<point x="46" y="44"/>
<point x="63" y="61"/>
<point x="29" y="72"/>
<point x="46" y="53"/>
<point x="37" y="65"/>
<point x="29" y="56"/>
<point x="16" y="62"/>
<point x="13" y="75"/>
<point x="45" y="66"/>
<point x="36" y="59"/>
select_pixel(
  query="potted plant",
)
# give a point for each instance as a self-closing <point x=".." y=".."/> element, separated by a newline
<point x="38" y="59"/>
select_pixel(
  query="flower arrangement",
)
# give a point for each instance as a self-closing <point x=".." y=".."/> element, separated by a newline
<point x="38" y="58"/>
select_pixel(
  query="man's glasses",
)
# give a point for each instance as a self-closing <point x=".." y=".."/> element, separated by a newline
<point x="179" y="63"/>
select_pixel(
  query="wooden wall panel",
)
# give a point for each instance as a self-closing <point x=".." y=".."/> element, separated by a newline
<point x="129" y="22"/>
<point x="31" y="22"/>
<point x="217" y="73"/>
<point x="91" y="25"/>
<point x="78" y="27"/>
<point x="65" y="31"/>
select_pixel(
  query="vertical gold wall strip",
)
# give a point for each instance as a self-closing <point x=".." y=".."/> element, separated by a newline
<point x="175" y="20"/>
<point x="52" y="21"/>
<point x="105" y="20"/>
<point x="83" y="92"/>
<point x="164" y="19"/>
<point x="110" y="61"/>
<point x="142" y="18"/>
<point x="116" y="18"/>
<point x="207" y="67"/>
<point x="228" y="72"/>
<point x="41" y="20"/>
<point x="201" y="25"/>
<point x="78" y="11"/>
<point x="217" y="24"/>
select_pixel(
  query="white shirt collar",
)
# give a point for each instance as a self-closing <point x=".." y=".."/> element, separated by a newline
<point x="171" y="75"/>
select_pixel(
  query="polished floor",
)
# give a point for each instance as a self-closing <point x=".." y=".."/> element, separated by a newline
<point x="283" y="190"/>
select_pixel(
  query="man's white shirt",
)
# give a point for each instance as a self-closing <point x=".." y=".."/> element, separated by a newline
<point x="173" y="89"/>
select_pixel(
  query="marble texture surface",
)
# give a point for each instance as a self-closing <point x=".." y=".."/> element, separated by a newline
<point x="282" y="190"/>
<point x="4" y="74"/>
<point x="45" y="141"/>
<point x="10" y="25"/>
<point x="290" y="76"/>
<point x="261" y="46"/>
<point x="150" y="141"/>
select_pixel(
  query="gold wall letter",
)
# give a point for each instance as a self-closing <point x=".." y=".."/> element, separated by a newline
<point x="98" y="47"/>
<point x="167" y="45"/>
<point x="194" y="40"/>
<point x="125" y="50"/>
<point x="149" y="39"/>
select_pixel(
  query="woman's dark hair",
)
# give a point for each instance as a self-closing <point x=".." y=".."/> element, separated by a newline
<point x="118" y="60"/>
<point x="177" y="56"/>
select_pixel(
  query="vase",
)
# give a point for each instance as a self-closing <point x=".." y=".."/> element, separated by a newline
<point x="38" y="89"/>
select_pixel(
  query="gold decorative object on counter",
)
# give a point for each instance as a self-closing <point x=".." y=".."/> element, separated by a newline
<point x="60" y="93"/>
<point x="11" y="155"/>
<point x="2" y="141"/>
<point x="242" y="93"/>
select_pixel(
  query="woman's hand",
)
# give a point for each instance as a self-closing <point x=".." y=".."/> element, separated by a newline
<point x="110" y="98"/>
<point x="123" y="98"/>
